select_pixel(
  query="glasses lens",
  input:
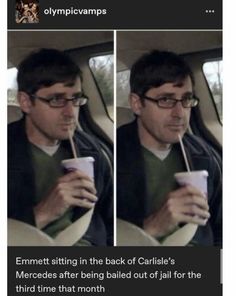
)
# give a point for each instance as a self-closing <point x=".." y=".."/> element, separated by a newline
<point x="57" y="102"/>
<point x="189" y="102"/>
<point x="79" y="101"/>
<point x="166" y="102"/>
<point x="61" y="102"/>
<point x="169" y="103"/>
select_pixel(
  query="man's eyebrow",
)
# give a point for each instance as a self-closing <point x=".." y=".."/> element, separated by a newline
<point x="168" y="94"/>
<point x="69" y="83"/>
<point x="172" y="94"/>
<point x="188" y="93"/>
<point x="77" y="93"/>
<point x="56" y="94"/>
<point x="63" y="94"/>
<point x="178" y="84"/>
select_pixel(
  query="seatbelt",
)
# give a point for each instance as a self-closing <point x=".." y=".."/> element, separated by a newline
<point x="74" y="232"/>
<point x="129" y="234"/>
<point x="23" y="234"/>
<point x="181" y="237"/>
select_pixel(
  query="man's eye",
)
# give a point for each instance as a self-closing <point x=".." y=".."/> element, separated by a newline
<point x="166" y="100"/>
<point x="76" y="98"/>
<point x="56" y="100"/>
<point x="188" y="98"/>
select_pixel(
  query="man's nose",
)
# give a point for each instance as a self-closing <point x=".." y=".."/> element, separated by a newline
<point x="178" y="110"/>
<point x="69" y="109"/>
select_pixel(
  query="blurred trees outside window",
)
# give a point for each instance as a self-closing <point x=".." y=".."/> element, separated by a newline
<point x="103" y="70"/>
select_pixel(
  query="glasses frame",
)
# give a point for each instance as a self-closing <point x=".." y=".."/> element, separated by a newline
<point x="65" y="101"/>
<point x="174" y="102"/>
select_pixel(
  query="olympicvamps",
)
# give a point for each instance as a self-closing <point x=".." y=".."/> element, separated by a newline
<point x="74" y="11"/>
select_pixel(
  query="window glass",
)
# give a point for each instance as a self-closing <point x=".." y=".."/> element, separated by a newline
<point x="102" y="68"/>
<point x="213" y="72"/>
<point x="11" y="86"/>
<point x="123" y="88"/>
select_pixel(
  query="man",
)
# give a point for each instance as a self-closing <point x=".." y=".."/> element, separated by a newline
<point x="50" y="95"/>
<point x="148" y="154"/>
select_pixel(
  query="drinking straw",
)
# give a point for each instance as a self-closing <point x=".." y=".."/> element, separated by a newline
<point x="72" y="143"/>
<point x="184" y="153"/>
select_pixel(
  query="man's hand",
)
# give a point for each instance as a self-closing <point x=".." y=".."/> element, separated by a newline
<point x="184" y="205"/>
<point x="74" y="189"/>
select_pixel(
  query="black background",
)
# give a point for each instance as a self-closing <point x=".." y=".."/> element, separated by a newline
<point x="205" y="260"/>
<point x="147" y="14"/>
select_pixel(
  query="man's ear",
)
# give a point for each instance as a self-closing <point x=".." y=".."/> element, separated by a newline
<point x="24" y="101"/>
<point x="135" y="103"/>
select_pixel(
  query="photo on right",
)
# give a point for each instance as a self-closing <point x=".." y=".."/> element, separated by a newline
<point x="169" y="138"/>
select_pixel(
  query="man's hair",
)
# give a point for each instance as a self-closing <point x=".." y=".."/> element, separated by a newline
<point x="44" y="68"/>
<point x="157" y="68"/>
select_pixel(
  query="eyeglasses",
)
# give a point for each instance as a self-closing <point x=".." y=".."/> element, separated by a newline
<point x="168" y="103"/>
<point x="59" y="102"/>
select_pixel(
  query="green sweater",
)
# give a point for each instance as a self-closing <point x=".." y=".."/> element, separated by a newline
<point x="47" y="170"/>
<point x="160" y="176"/>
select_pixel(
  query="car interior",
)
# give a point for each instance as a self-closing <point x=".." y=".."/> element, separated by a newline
<point x="82" y="46"/>
<point x="203" y="52"/>
<point x="198" y="48"/>
<point x="93" y="52"/>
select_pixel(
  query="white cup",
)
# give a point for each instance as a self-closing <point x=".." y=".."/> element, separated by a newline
<point x="197" y="179"/>
<point x="84" y="164"/>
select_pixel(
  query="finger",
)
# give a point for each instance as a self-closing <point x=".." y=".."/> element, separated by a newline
<point x="79" y="202"/>
<point x="188" y="195"/>
<point x="196" y="200"/>
<point x="193" y="210"/>
<point x="188" y="190"/>
<point x="83" y="183"/>
<point x="195" y="191"/>
<point x="178" y="203"/>
<point x="77" y="188"/>
<point x="77" y="174"/>
<point x="84" y="194"/>
<point x="197" y="220"/>
<point x="184" y="218"/>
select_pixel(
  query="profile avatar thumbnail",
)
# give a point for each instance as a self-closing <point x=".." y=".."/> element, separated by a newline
<point x="27" y="11"/>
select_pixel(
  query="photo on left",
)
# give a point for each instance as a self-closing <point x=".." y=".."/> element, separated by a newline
<point x="60" y="138"/>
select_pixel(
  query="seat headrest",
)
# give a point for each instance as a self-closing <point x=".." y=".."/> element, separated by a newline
<point x="14" y="113"/>
<point x="124" y="115"/>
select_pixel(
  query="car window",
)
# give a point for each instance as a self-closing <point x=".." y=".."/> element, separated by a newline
<point x="213" y="73"/>
<point x="11" y="86"/>
<point x="123" y="88"/>
<point x="102" y="68"/>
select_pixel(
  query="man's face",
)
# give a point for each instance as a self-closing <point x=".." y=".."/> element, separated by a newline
<point x="46" y="125"/>
<point x="158" y="128"/>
